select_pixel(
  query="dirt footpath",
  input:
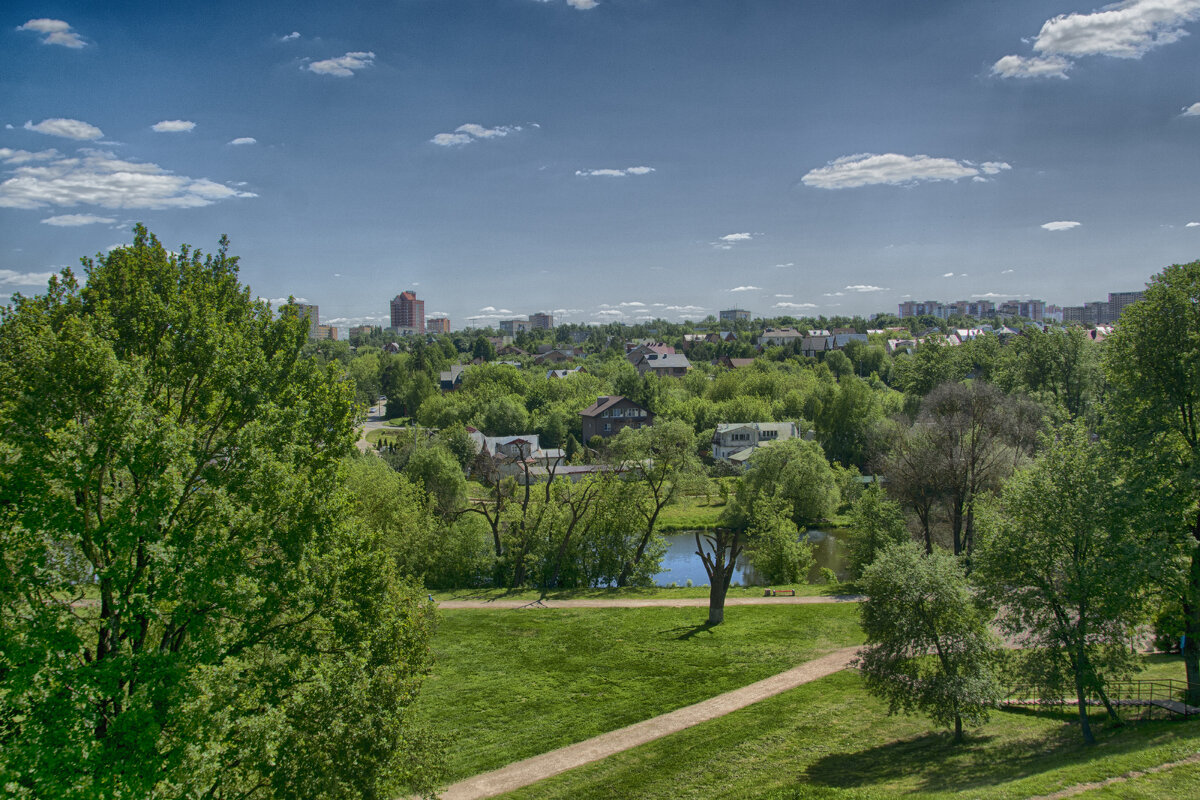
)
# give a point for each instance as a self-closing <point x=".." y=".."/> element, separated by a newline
<point x="635" y="602"/>
<point x="531" y="770"/>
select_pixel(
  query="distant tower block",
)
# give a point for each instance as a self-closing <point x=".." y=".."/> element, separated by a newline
<point x="408" y="313"/>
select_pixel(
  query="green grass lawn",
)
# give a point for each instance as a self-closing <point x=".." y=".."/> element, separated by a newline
<point x="828" y="739"/>
<point x="511" y="684"/>
<point x="691" y="513"/>
<point x="648" y="592"/>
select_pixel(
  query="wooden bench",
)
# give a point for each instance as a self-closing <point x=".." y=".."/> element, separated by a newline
<point x="779" y="593"/>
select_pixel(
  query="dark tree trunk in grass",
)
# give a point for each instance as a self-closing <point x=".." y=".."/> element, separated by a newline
<point x="726" y="546"/>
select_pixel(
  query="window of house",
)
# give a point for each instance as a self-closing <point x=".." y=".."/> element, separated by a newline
<point x="607" y="427"/>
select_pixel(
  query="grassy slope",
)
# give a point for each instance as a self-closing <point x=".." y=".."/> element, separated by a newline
<point x="648" y="592"/>
<point x="512" y="684"/>
<point x="829" y="740"/>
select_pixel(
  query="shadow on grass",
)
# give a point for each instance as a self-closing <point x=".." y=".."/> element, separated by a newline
<point x="688" y="633"/>
<point x="937" y="764"/>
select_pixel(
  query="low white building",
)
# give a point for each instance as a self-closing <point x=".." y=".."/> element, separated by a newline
<point x="734" y="442"/>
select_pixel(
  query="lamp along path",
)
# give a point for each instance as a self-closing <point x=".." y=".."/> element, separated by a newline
<point x="531" y="770"/>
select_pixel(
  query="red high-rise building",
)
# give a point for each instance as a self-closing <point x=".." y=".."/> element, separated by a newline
<point x="408" y="313"/>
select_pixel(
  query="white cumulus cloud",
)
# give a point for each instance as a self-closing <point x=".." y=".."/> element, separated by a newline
<point x="470" y="131"/>
<point x="737" y="237"/>
<point x="54" y="31"/>
<point x="1192" y="111"/>
<point x="869" y="169"/>
<point x="173" y="126"/>
<point x="1061" y="225"/>
<point x="343" y="66"/>
<point x="863" y="287"/>
<point x="582" y="5"/>
<point x="613" y="173"/>
<point x="947" y="274"/>
<point x="1127" y="29"/>
<point x="11" y="278"/>
<point x="66" y="128"/>
<point x="10" y="156"/>
<point x="290" y="37"/>
<point x="75" y="220"/>
<point x="99" y="178"/>
<point x="244" y="140"/>
<point x="795" y="306"/>
<point x="746" y="289"/>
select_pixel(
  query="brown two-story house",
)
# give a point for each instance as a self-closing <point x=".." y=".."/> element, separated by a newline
<point x="608" y="415"/>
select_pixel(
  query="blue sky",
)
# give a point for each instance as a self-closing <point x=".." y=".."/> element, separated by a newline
<point x="611" y="160"/>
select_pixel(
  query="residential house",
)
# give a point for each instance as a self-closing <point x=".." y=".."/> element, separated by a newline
<point x="734" y="442"/>
<point x="564" y="373"/>
<point x="636" y="352"/>
<point x="451" y="379"/>
<point x="780" y="337"/>
<point x="672" y="365"/>
<point x="733" y="363"/>
<point x="501" y="456"/>
<point x="608" y="415"/>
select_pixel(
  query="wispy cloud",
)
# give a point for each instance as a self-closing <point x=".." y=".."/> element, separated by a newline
<point x="243" y="140"/>
<point x="469" y="132"/>
<point x="863" y="287"/>
<point x="99" y="178"/>
<point x="795" y="306"/>
<point x="835" y="294"/>
<point x="868" y="169"/>
<point x="54" y="31"/>
<point x="343" y="66"/>
<point x="66" y="128"/>
<point x="947" y="274"/>
<point x="613" y="173"/>
<point x="1061" y="225"/>
<point x="173" y="126"/>
<point x="727" y="241"/>
<point x="75" y="220"/>
<point x="10" y="278"/>
<point x="989" y="296"/>
<point x="1191" y="111"/>
<point x="1192" y="225"/>
<point x="1128" y="29"/>
<point x="746" y="289"/>
<point x="1006" y="271"/>
<point x="10" y="156"/>
<point x="290" y="36"/>
<point x="784" y="295"/>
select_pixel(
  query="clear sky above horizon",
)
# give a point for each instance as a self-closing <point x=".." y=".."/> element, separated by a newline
<point x="610" y="160"/>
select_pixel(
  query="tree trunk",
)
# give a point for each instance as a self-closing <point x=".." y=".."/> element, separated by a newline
<point x="958" y="734"/>
<point x="1191" y="621"/>
<point x="716" y="602"/>
<point x="1081" y="697"/>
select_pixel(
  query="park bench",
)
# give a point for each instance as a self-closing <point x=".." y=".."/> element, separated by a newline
<point x="779" y="593"/>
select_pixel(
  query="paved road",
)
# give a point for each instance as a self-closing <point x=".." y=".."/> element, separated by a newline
<point x="375" y="419"/>
<point x="639" y="602"/>
<point x="531" y="770"/>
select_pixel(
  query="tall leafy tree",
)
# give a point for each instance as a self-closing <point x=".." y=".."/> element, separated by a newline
<point x="928" y="646"/>
<point x="1153" y="367"/>
<point x="796" y="472"/>
<point x="875" y="523"/>
<point x="1058" y="554"/>
<point x="184" y="608"/>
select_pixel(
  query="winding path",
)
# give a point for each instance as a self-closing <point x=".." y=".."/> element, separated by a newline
<point x="531" y="770"/>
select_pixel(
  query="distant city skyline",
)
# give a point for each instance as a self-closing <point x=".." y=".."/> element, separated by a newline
<point x="610" y="160"/>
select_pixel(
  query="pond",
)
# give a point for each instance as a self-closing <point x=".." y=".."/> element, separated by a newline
<point x="680" y="563"/>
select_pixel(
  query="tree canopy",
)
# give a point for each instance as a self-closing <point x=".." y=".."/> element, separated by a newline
<point x="184" y="608"/>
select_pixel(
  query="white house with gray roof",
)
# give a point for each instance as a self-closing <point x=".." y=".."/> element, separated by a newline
<point x="734" y="442"/>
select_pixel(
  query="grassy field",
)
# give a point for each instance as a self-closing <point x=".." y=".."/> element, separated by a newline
<point x="649" y="592"/>
<point x="691" y="513"/>
<point x="828" y="739"/>
<point x="512" y="684"/>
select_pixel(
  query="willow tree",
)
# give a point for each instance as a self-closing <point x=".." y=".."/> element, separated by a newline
<point x="184" y="608"/>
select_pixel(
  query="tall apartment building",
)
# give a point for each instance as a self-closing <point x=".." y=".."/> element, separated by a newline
<point x="1027" y="309"/>
<point x="734" y="314"/>
<point x="911" y="308"/>
<point x="541" y="320"/>
<point x="511" y="327"/>
<point x="1102" y="312"/>
<point x="438" y="325"/>
<point x="1119" y="301"/>
<point x="408" y="313"/>
<point x="308" y="312"/>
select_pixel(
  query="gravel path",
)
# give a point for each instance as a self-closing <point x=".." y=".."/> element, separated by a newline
<point x="531" y="770"/>
<point x="636" y="602"/>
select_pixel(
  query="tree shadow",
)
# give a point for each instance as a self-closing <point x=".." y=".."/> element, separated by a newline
<point x="940" y="765"/>
<point x="688" y="633"/>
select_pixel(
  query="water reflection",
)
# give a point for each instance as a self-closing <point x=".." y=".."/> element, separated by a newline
<point x="680" y="563"/>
